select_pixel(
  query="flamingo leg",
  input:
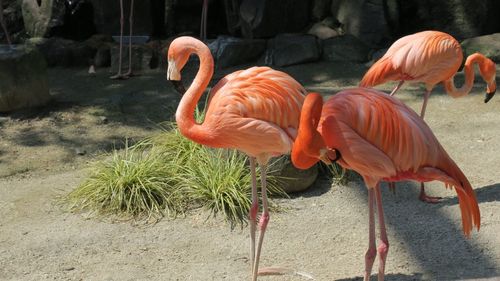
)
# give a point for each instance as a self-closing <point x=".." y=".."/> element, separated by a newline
<point x="122" y="21"/>
<point x="423" y="196"/>
<point x="264" y="219"/>
<point x="392" y="187"/>
<point x="426" y="198"/>
<point x="397" y="87"/>
<point x="253" y="210"/>
<point x="371" y="253"/>
<point x="4" y="26"/>
<point x="383" y="247"/>
<point x="131" y="22"/>
<point x="203" y="27"/>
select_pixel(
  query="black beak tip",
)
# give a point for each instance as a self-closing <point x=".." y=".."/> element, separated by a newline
<point x="488" y="96"/>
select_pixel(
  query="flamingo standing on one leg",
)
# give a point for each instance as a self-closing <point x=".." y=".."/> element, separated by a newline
<point x="255" y="111"/>
<point x="4" y="26"/>
<point x="430" y="57"/>
<point x="129" y="73"/>
<point x="383" y="140"/>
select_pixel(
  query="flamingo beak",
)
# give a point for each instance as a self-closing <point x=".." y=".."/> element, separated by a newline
<point x="175" y="77"/>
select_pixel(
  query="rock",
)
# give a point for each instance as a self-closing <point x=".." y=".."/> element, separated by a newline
<point x="365" y="19"/>
<point x="460" y="18"/>
<point x="23" y="76"/>
<point x="267" y="18"/>
<point x="230" y="51"/>
<point x="107" y="17"/>
<point x="102" y="44"/>
<point x="103" y="57"/>
<point x="42" y="18"/>
<point x="345" y="48"/>
<point x="293" y="179"/>
<point x="288" y="49"/>
<point x="322" y="31"/>
<point x="488" y="45"/>
<point x="142" y="58"/>
<point x="63" y="52"/>
<point x="320" y="9"/>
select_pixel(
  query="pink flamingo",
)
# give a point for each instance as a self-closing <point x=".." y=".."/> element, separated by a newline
<point x="382" y="139"/>
<point x="255" y="111"/>
<point x="430" y="57"/>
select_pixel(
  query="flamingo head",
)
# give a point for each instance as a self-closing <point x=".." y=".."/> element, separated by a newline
<point x="309" y="146"/>
<point x="488" y="71"/>
<point x="178" y="55"/>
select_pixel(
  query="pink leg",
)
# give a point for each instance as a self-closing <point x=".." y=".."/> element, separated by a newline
<point x="253" y="210"/>
<point x="424" y="105"/>
<point x="131" y="22"/>
<point x="392" y="187"/>
<point x="122" y="20"/>
<point x="203" y="27"/>
<point x="427" y="199"/>
<point x="371" y="253"/>
<point x="397" y="87"/>
<point x="4" y="26"/>
<point x="264" y="219"/>
<point x="383" y="247"/>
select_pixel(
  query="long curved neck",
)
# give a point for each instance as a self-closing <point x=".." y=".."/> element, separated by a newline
<point x="307" y="145"/>
<point x="184" y="115"/>
<point x="449" y="84"/>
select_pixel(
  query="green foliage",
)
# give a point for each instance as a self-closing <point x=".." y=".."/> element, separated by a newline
<point x="338" y="174"/>
<point x="169" y="174"/>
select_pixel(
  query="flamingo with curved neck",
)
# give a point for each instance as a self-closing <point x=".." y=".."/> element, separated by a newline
<point x="430" y="57"/>
<point x="255" y="111"/>
<point x="383" y="140"/>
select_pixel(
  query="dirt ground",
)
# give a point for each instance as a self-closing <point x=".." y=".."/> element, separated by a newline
<point x="321" y="232"/>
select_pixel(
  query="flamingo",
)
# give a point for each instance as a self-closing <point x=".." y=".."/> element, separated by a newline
<point x="4" y="26"/>
<point x="129" y="73"/>
<point x="255" y="111"/>
<point x="382" y="139"/>
<point x="203" y="25"/>
<point x="430" y="57"/>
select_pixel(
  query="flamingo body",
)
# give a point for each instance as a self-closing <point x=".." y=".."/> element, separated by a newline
<point x="383" y="140"/>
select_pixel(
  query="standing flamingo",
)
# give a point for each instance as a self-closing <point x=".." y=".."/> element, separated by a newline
<point x="430" y="57"/>
<point x="383" y="140"/>
<point x="129" y="73"/>
<point x="255" y="111"/>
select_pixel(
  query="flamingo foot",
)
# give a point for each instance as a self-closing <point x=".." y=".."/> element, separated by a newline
<point x="428" y="199"/>
<point x="119" y="76"/>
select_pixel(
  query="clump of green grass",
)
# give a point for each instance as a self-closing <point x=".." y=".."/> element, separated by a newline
<point x="334" y="171"/>
<point x="169" y="174"/>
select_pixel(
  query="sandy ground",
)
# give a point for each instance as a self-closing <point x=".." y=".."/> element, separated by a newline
<point x="322" y="232"/>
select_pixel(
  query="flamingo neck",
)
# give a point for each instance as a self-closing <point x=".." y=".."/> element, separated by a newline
<point x="184" y="115"/>
<point x="449" y="84"/>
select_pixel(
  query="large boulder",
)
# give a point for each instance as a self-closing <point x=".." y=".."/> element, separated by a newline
<point x="293" y="179"/>
<point x="23" y="76"/>
<point x="43" y="18"/>
<point x="345" y="48"/>
<point x="289" y="49"/>
<point x="230" y="51"/>
<point x="63" y="52"/>
<point x="488" y="45"/>
<point x="107" y="17"/>
<point x="267" y="18"/>
<point x="365" y="19"/>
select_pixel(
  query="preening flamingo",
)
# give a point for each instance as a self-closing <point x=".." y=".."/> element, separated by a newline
<point x="255" y="111"/>
<point x="430" y="57"/>
<point x="382" y="139"/>
<point x="129" y="73"/>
